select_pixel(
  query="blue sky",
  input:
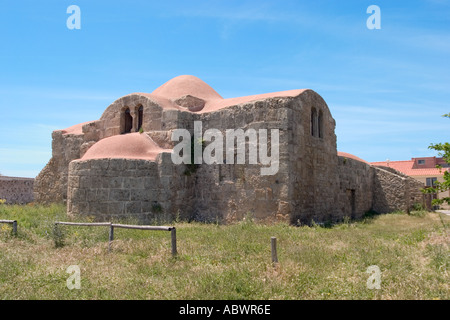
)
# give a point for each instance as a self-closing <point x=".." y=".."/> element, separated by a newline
<point x="386" y="88"/>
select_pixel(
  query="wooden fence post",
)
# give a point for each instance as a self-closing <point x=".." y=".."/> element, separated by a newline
<point x="273" y="242"/>
<point x="173" y="234"/>
<point x="111" y="237"/>
<point x="56" y="233"/>
<point x="14" y="227"/>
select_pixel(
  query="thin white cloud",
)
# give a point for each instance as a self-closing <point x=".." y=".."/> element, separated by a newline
<point x="379" y="129"/>
<point x="243" y="12"/>
<point x="384" y="109"/>
<point x="430" y="41"/>
<point x="440" y="2"/>
<point x="57" y="93"/>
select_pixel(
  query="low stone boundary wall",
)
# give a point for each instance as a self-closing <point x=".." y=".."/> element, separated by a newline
<point x="395" y="191"/>
<point x="16" y="190"/>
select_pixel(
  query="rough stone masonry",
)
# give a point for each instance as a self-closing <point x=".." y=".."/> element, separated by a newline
<point x="121" y="166"/>
<point x="16" y="190"/>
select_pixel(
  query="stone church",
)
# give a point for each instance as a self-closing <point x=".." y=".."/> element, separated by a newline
<point x="121" y="165"/>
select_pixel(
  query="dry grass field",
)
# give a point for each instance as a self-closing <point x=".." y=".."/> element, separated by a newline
<point x="225" y="261"/>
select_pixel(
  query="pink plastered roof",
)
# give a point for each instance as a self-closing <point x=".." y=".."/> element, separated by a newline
<point x="76" y="129"/>
<point x="184" y="85"/>
<point x="129" y="146"/>
<point x="166" y="95"/>
<point x="406" y="167"/>
<point x="350" y="156"/>
<point x="136" y="146"/>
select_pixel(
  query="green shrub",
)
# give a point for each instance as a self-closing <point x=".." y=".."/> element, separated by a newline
<point x="58" y="235"/>
<point x="418" y="207"/>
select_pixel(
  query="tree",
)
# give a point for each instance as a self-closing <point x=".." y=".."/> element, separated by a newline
<point x="443" y="151"/>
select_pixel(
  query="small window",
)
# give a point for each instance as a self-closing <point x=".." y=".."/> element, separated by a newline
<point x="320" y="124"/>
<point x="313" y="122"/>
<point x="140" y="117"/>
<point x="420" y="161"/>
<point x="431" y="181"/>
<point x="126" y="121"/>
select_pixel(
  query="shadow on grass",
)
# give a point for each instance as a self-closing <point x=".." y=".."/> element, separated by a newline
<point x="367" y="218"/>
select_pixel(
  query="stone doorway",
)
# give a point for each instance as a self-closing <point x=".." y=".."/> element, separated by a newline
<point x="350" y="209"/>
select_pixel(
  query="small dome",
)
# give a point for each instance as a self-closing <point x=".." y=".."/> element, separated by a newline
<point x="186" y="85"/>
<point x="128" y="146"/>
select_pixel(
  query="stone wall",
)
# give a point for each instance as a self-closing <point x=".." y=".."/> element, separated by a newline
<point x="110" y="123"/>
<point x="218" y="192"/>
<point x="16" y="190"/>
<point x="312" y="162"/>
<point x="414" y="188"/>
<point x="395" y="191"/>
<point x="355" y="188"/>
<point x="51" y="183"/>
<point x="124" y="188"/>
<point x="229" y="192"/>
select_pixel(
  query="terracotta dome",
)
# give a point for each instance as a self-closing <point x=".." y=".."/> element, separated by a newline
<point x="128" y="146"/>
<point x="186" y="85"/>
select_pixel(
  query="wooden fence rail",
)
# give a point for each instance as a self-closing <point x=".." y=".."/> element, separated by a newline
<point x="85" y="224"/>
<point x="125" y="226"/>
<point x="14" y="225"/>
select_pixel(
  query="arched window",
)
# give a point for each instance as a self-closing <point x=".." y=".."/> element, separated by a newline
<point x="126" y="121"/>
<point x="140" y="117"/>
<point x="314" y="122"/>
<point x="320" y="124"/>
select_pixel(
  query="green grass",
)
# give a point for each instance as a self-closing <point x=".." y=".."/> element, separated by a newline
<point x="225" y="261"/>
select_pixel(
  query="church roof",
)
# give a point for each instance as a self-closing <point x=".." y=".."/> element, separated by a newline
<point x="130" y="146"/>
<point x="350" y="156"/>
<point x="407" y="167"/>
<point x="186" y="85"/>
